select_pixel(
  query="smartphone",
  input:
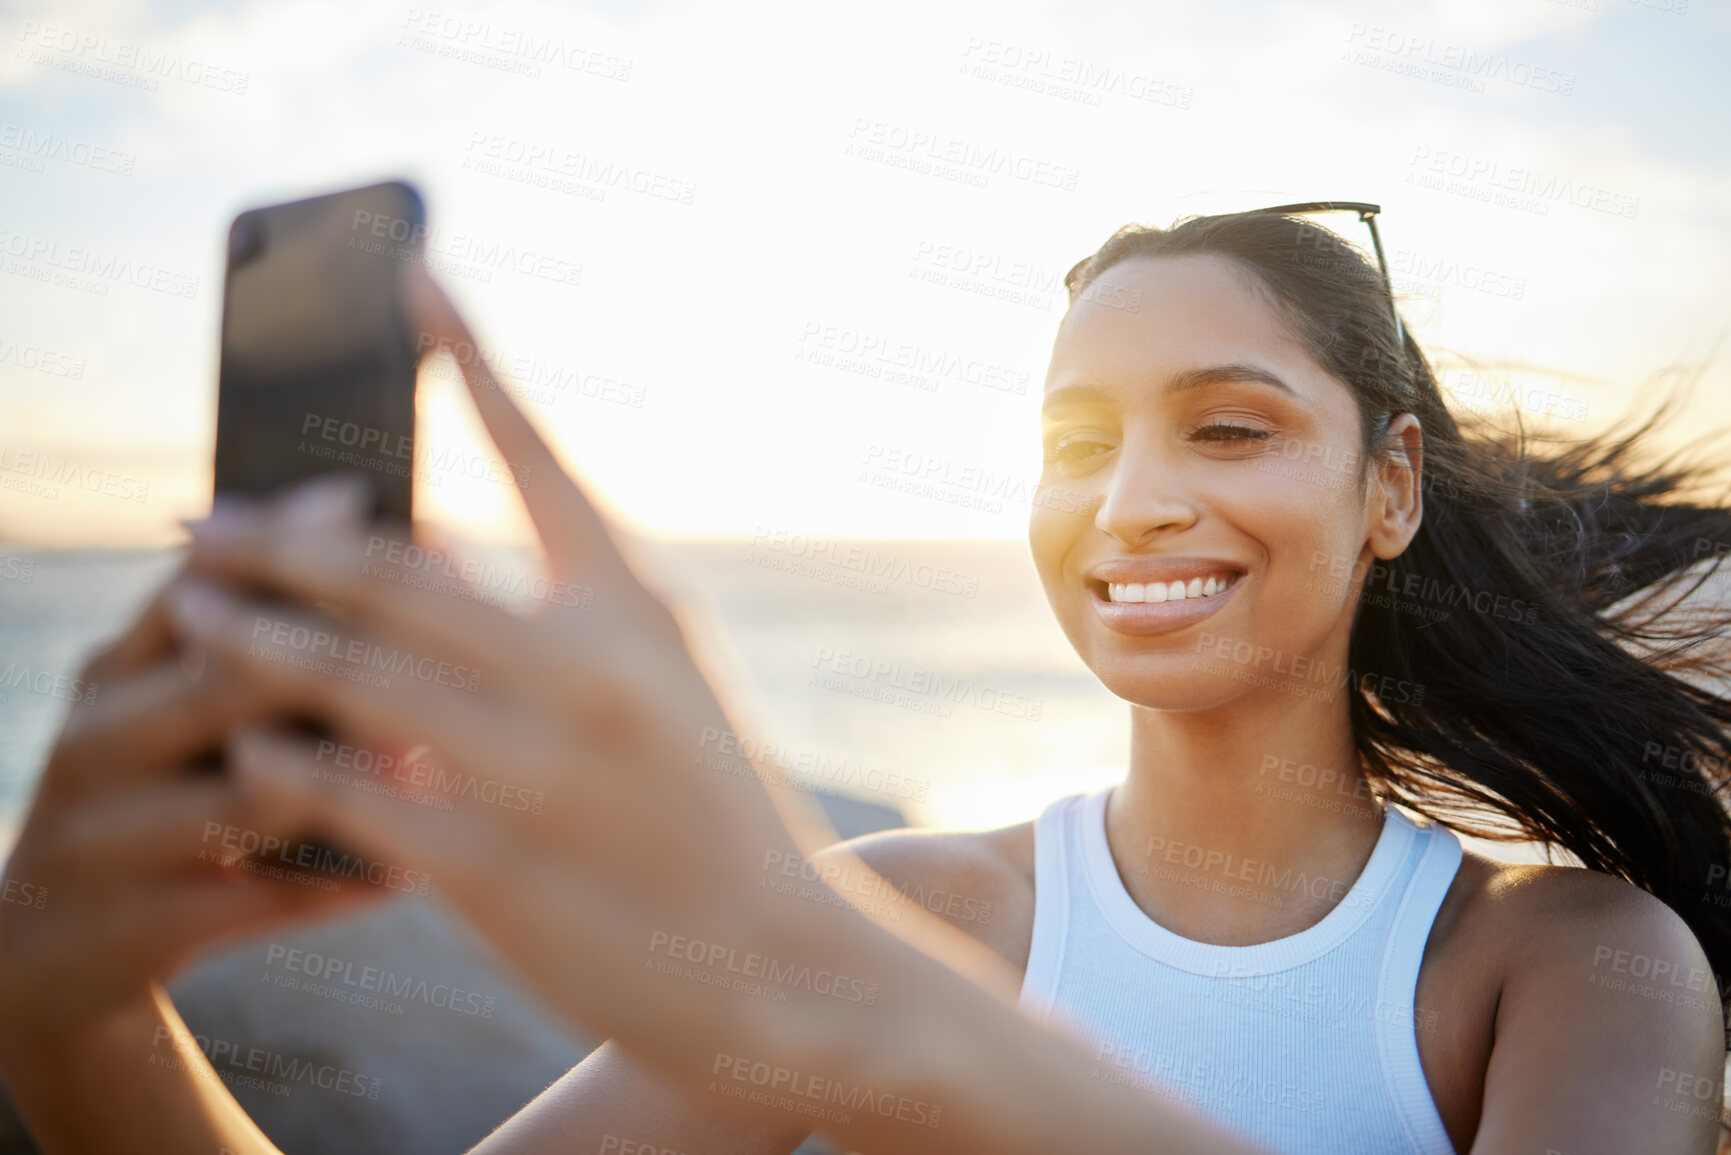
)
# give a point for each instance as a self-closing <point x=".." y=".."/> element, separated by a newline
<point x="318" y="359"/>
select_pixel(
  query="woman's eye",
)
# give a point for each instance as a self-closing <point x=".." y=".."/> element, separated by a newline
<point x="1223" y="432"/>
<point x="1075" y="449"/>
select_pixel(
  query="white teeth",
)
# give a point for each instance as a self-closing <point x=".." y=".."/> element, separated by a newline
<point x="1154" y="592"/>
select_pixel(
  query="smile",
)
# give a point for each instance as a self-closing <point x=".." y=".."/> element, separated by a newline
<point x="1175" y="591"/>
<point x="1145" y="609"/>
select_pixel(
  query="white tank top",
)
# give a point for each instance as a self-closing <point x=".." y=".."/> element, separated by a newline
<point x="1304" y="1044"/>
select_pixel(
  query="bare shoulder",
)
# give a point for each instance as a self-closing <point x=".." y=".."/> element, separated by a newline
<point x="1559" y="905"/>
<point x="1608" y="1029"/>
<point x="979" y="881"/>
<point x="1568" y="934"/>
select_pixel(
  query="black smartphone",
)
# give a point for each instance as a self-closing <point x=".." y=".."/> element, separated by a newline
<point x="318" y="360"/>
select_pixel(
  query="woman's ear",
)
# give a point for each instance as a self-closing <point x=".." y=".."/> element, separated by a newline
<point x="1397" y="498"/>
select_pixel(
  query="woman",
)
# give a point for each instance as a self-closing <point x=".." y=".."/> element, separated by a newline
<point x="1242" y="947"/>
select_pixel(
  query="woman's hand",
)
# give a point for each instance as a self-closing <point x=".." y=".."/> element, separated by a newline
<point x="121" y="873"/>
<point x="129" y="864"/>
<point x="558" y="800"/>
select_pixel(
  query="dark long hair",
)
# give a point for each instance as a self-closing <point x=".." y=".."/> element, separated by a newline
<point x="1580" y="710"/>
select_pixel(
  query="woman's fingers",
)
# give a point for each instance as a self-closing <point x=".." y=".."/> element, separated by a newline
<point x="286" y="782"/>
<point x="367" y="687"/>
<point x="573" y="533"/>
<point x="401" y="588"/>
<point x="152" y="725"/>
<point x="146" y="640"/>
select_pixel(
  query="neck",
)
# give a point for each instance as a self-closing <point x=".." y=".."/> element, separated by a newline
<point x="1244" y="823"/>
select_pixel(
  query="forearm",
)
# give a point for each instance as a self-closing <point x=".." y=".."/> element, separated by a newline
<point x="136" y="1083"/>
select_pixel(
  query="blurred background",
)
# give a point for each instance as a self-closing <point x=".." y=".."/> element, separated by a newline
<point x="781" y="280"/>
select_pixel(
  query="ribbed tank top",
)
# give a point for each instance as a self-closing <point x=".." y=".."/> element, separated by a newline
<point x="1304" y="1044"/>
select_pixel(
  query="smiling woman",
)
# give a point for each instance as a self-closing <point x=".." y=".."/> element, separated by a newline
<point x="1259" y="525"/>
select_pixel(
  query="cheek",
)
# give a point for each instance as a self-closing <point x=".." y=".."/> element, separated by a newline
<point x="1311" y="527"/>
<point x="1057" y="520"/>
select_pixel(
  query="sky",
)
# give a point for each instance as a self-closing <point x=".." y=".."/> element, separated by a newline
<point x="745" y="262"/>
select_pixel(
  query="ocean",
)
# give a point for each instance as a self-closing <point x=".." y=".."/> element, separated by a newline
<point x="928" y="676"/>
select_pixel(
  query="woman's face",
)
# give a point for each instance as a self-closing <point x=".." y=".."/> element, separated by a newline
<point x="1194" y="439"/>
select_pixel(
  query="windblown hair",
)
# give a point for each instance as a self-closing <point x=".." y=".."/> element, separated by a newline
<point x="1593" y="720"/>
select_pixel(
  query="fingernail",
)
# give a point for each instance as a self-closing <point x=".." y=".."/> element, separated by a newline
<point x="201" y="607"/>
<point x="325" y="502"/>
<point x="223" y="524"/>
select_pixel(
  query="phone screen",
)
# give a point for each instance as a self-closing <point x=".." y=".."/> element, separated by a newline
<point x="318" y="362"/>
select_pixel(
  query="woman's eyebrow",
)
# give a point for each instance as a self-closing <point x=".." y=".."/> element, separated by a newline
<point x="1085" y="393"/>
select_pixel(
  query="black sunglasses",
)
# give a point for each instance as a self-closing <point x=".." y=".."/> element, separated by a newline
<point x="1366" y="213"/>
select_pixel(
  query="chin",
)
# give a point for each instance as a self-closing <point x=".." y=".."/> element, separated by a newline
<point x="1165" y="682"/>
